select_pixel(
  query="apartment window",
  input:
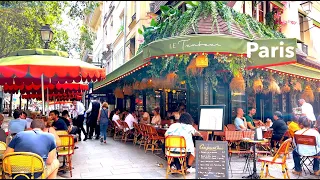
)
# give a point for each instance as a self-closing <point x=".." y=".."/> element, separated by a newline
<point x="259" y="9"/>
<point x="302" y="27"/>
<point x="243" y="7"/>
<point x="132" y="47"/>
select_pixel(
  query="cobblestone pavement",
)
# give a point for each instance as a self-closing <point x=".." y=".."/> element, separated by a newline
<point x="119" y="160"/>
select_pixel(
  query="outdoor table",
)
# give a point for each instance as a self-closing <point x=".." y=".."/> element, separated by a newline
<point x="254" y="175"/>
<point x="161" y="130"/>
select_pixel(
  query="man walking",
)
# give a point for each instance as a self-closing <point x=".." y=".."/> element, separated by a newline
<point x="94" y="108"/>
<point x="79" y="117"/>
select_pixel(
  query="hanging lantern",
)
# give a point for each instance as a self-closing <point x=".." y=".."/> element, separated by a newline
<point x="150" y="83"/>
<point x="136" y="85"/>
<point x="273" y="86"/>
<point x="286" y="88"/>
<point x="172" y="77"/>
<point x="237" y="84"/>
<point x="128" y="90"/>
<point x="202" y="61"/>
<point x="308" y="94"/>
<point x="118" y="93"/>
<point x="297" y="86"/>
<point x="193" y="69"/>
<point x="257" y="85"/>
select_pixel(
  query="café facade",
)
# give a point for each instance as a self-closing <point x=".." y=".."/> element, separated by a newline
<point x="212" y="65"/>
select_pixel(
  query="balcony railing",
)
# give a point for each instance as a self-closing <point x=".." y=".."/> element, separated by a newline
<point x="133" y="17"/>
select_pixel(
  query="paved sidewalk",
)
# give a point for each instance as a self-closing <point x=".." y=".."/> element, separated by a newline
<point x="118" y="160"/>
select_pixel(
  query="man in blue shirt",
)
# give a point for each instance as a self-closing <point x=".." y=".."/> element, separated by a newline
<point x="58" y="123"/>
<point x="38" y="142"/>
<point x="240" y="122"/>
<point x="17" y="124"/>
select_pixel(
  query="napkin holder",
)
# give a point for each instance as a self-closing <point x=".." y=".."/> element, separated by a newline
<point x="258" y="134"/>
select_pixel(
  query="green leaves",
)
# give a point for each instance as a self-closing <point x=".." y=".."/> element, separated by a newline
<point x="153" y="23"/>
<point x="140" y="31"/>
<point x="21" y="21"/>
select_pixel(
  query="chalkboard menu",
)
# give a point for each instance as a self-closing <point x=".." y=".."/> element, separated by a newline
<point x="212" y="160"/>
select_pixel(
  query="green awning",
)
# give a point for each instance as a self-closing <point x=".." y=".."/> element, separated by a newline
<point x="209" y="44"/>
<point x="126" y="67"/>
<point x="195" y="43"/>
<point x="299" y="70"/>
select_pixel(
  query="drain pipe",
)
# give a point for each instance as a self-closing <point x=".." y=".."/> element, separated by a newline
<point x="124" y="31"/>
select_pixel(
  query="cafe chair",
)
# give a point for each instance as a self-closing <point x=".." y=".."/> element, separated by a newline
<point x="23" y="164"/>
<point x="127" y="133"/>
<point x="61" y="132"/>
<point x="137" y="133"/>
<point x="117" y="131"/>
<point x="175" y="147"/>
<point x="205" y="135"/>
<point x="152" y="139"/>
<point x="231" y="127"/>
<point x="305" y="140"/>
<point x="234" y="138"/>
<point x="144" y="135"/>
<point x="66" y="150"/>
<point x="266" y="161"/>
<point x="220" y="134"/>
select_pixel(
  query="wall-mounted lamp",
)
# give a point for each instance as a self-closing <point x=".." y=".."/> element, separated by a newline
<point x="306" y="6"/>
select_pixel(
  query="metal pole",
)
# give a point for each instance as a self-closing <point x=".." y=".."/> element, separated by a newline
<point x="48" y="101"/>
<point x="42" y="92"/>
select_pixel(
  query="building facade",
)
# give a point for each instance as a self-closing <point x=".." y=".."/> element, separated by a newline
<point x="298" y="20"/>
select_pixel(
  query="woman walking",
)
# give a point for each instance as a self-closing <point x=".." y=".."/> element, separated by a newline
<point x="103" y="121"/>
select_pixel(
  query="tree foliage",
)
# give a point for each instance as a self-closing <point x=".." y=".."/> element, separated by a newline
<point x="79" y="9"/>
<point x="21" y="21"/>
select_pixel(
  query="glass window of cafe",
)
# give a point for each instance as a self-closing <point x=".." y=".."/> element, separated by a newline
<point x="152" y="100"/>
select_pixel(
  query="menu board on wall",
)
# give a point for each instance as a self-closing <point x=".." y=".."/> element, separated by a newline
<point x="211" y="118"/>
<point x="212" y="160"/>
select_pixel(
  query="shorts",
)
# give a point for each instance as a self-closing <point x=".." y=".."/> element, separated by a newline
<point x="49" y="169"/>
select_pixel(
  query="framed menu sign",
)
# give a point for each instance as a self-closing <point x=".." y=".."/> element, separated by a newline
<point x="211" y="117"/>
<point x="212" y="160"/>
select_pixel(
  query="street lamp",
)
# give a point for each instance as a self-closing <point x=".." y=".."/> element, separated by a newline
<point x="306" y="6"/>
<point x="46" y="35"/>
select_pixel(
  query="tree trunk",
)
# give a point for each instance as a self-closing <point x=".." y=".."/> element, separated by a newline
<point x="10" y="106"/>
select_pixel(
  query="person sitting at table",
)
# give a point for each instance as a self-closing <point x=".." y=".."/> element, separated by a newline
<point x="180" y="110"/>
<point x="49" y="129"/>
<point x="129" y="119"/>
<point x="65" y="117"/>
<point x="184" y="128"/>
<point x="249" y="117"/>
<point x="279" y="127"/>
<point x="306" y="150"/>
<point x="58" y="123"/>
<point x="240" y="122"/>
<point x="116" y="117"/>
<point x="3" y="135"/>
<point x="144" y="116"/>
<point x="29" y="141"/>
<point x="17" y="125"/>
<point x="294" y="125"/>
<point x="156" y="119"/>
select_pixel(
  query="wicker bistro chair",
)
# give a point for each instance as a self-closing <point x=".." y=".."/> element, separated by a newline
<point x="66" y="150"/>
<point x="23" y="164"/>
<point x="137" y="133"/>
<point x="283" y="151"/>
<point x="117" y="130"/>
<point x="220" y="134"/>
<point x="144" y="134"/>
<point x="3" y="147"/>
<point x="59" y="133"/>
<point x="306" y="140"/>
<point x="178" y="142"/>
<point x="152" y="139"/>
<point x="231" y="127"/>
<point x="234" y="138"/>
<point x="126" y="132"/>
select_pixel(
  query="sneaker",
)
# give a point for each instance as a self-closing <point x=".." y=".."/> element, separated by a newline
<point x="101" y="139"/>
<point x="173" y="168"/>
<point x="191" y="170"/>
<point x="317" y="173"/>
<point x="105" y="142"/>
<point x="296" y="173"/>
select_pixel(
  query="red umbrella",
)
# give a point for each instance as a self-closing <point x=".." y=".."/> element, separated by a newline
<point x="43" y="66"/>
<point x="36" y="89"/>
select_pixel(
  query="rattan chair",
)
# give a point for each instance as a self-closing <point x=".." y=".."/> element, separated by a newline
<point x="61" y="132"/>
<point x="25" y="164"/>
<point x="266" y="161"/>
<point x="152" y="139"/>
<point x="66" y="150"/>
<point x="172" y="143"/>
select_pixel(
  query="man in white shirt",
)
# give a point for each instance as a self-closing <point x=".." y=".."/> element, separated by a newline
<point x="79" y="117"/>
<point x="129" y="119"/>
<point x="144" y="117"/>
<point x="307" y="110"/>
<point x="116" y="117"/>
<point x="306" y="150"/>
